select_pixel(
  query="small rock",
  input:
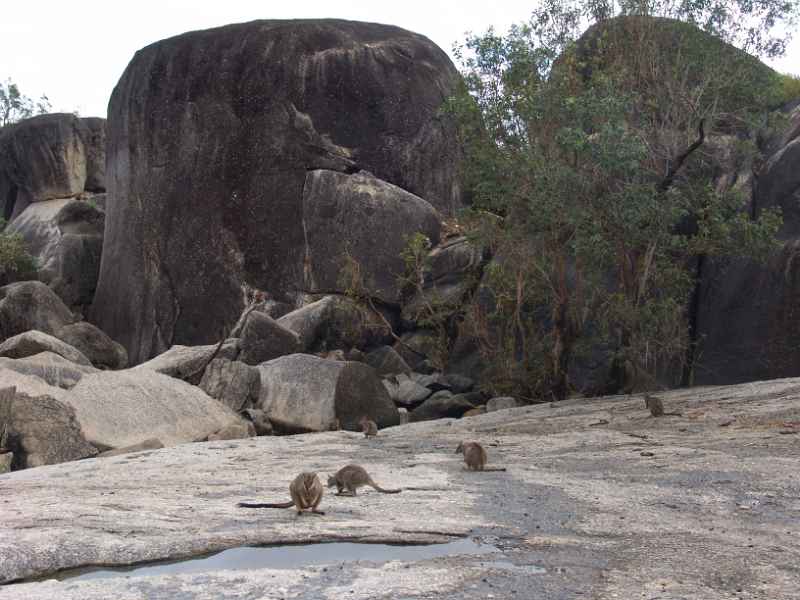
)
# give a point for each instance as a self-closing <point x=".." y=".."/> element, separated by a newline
<point x="478" y="410"/>
<point x="386" y="361"/>
<point x="148" y="444"/>
<point x="409" y="392"/>
<point x="458" y="384"/>
<point x="501" y="403"/>
<point x="445" y="404"/>
<point x="234" y="431"/>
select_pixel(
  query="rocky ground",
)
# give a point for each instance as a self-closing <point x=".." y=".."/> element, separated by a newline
<point x="609" y="501"/>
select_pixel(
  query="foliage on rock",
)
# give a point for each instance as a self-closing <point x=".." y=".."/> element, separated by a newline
<point x="16" y="263"/>
<point x="590" y="182"/>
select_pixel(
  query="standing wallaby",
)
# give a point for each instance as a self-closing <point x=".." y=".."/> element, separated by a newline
<point x="475" y="457"/>
<point x="369" y="427"/>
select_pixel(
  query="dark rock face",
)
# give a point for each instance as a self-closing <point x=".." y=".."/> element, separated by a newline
<point x="747" y="314"/>
<point x="50" y="156"/>
<point x="210" y="139"/>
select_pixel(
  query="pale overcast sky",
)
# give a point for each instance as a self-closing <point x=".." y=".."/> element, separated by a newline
<point x="75" y="51"/>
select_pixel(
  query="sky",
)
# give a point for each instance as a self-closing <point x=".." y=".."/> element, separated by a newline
<point x="75" y="51"/>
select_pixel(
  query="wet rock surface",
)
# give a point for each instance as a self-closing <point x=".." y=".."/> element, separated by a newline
<point x="606" y="500"/>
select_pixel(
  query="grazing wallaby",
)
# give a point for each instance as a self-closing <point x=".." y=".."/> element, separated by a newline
<point x="352" y="477"/>
<point x="306" y="491"/>
<point x="475" y="457"/>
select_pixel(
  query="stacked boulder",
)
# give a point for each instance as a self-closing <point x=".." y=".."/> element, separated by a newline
<point x="52" y="193"/>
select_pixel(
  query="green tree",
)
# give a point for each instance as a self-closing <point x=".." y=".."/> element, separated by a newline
<point x="593" y="155"/>
<point x="16" y="263"/>
<point x="15" y="106"/>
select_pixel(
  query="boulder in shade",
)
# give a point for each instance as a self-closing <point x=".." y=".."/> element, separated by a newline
<point x="41" y="430"/>
<point x="386" y="361"/>
<point x="445" y="404"/>
<point x="263" y="339"/>
<point x="100" y="349"/>
<point x="31" y="305"/>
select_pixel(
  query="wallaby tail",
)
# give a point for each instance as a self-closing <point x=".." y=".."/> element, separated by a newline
<point x="494" y="469"/>
<point x="263" y="505"/>
<point x="385" y="491"/>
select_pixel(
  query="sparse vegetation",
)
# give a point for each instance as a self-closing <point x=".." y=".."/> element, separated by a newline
<point x="16" y="263"/>
<point x="15" y="106"/>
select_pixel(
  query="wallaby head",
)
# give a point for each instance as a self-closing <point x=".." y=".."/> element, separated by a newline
<point x="460" y="448"/>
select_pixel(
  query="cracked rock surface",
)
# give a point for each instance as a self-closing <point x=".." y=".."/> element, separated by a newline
<point x="600" y="500"/>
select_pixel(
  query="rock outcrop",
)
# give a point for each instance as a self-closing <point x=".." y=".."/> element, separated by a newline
<point x="65" y="236"/>
<point x="211" y="138"/>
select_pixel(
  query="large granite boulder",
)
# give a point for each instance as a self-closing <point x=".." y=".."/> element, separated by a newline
<point x="100" y="349"/>
<point x="310" y="393"/>
<point x="66" y="238"/>
<point x="28" y="305"/>
<point x="41" y="429"/>
<point x="51" y="368"/>
<point x="211" y="136"/>
<point x="33" y="342"/>
<point x="49" y="156"/>
<point x="122" y="408"/>
<point x="359" y="221"/>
